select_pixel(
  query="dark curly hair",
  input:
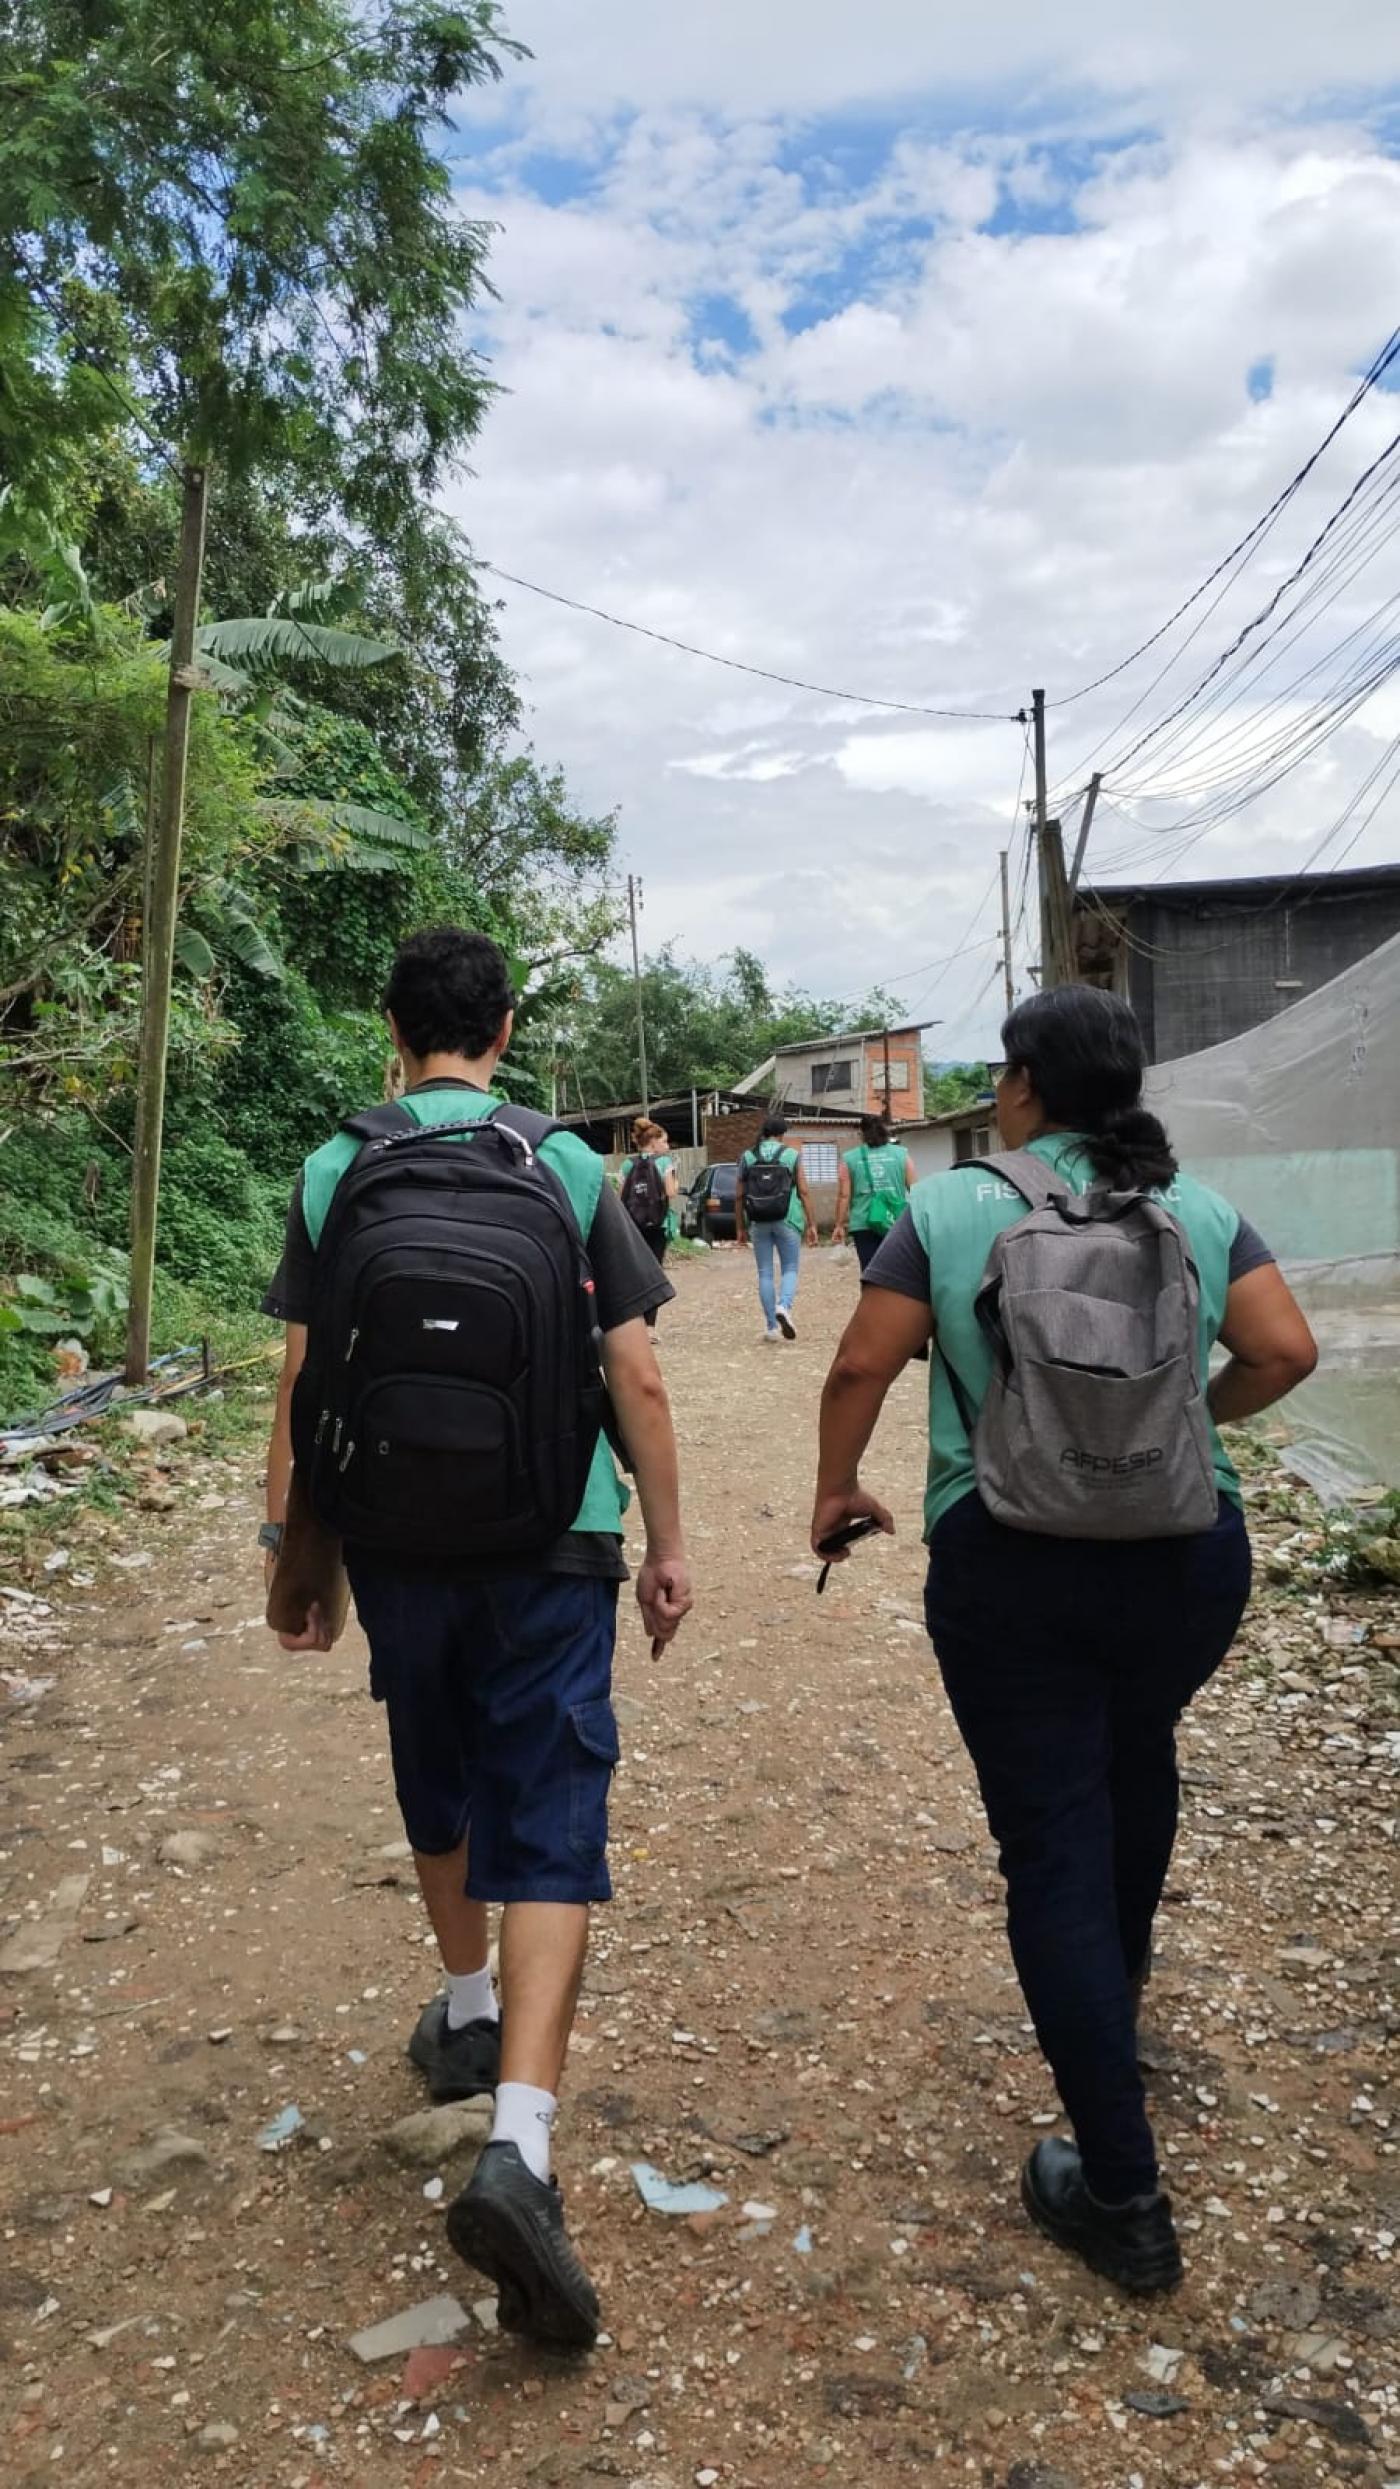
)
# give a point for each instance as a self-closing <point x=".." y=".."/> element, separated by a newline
<point x="449" y="992"/>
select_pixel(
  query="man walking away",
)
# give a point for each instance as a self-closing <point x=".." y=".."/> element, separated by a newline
<point x="464" y="1296"/>
<point x="872" y="1189"/>
<point x="772" y="1203"/>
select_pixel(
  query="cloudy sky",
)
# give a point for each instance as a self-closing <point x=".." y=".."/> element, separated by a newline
<point x="931" y="354"/>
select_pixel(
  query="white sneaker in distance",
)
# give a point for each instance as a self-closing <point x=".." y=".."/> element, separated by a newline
<point x="772" y="1339"/>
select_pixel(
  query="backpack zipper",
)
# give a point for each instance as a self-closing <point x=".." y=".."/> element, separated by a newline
<point x="350" y="1348"/>
<point x="346" y="1456"/>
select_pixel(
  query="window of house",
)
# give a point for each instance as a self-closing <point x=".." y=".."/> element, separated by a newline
<point x="820" y="1160"/>
<point x="899" y="1074"/>
<point x="828" y="1076"/>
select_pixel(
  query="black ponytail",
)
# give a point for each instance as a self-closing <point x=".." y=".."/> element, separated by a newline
<point x="1082" y="1052"/>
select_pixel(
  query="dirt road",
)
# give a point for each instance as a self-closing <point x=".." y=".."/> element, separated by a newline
<point x="802" y="1998"/>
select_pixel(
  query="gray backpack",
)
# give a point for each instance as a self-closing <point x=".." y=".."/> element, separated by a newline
<point x="1094" y="1425"/>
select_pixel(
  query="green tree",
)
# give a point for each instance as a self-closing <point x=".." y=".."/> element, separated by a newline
<point x="240" y="215"/>
<point x="252" y="203"/>
<point x="705" y="1029"/>
<point x="954" y="1085"/>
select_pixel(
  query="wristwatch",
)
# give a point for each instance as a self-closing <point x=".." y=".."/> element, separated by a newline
<point x="270" y="1536"/>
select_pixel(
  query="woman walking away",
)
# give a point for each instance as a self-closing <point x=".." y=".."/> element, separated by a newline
<point x="649" y="1190"/>
<point x="872" y="1189"/>
<point x="771" y="1201"/>
<point x="1088" y="1563"/>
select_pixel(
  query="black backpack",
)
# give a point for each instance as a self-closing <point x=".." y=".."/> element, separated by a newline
<point x="644" y="1193"/>
<point x="767" y="1189"/>
<point x="452" y="1395"/>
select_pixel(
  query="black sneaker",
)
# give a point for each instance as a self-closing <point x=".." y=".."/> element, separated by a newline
<point x="458" y="2064"/>
<point x="1132" y="2244"/>
<point x="510" y="2225"/>
<point x="786" y="1324"/>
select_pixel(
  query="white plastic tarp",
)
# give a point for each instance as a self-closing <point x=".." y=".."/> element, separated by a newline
<point x="1297" y="1123"/>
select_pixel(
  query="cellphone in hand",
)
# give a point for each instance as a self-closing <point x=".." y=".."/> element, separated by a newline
<point x="837" y="1541"/>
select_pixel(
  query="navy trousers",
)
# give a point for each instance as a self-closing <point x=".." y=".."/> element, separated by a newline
<point x="1068" y="1664"/>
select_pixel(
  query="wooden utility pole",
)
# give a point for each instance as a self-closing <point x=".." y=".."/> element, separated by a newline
<point x="1086" y="824"/>
<point x="889" y="1091"/>
<point x="634" y="900"/>
<point x="1008" y="977"/>
<point x="162" y="887"/>
<point x="1056" y="933"/>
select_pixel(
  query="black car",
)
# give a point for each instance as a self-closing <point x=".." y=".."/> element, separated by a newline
<point x="707" y="1210"/>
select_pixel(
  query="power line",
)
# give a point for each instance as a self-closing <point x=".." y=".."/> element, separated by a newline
<point x="1388" y="761"/>
<point x="1250" y="542"/>
<point x="739" y="665"/>
<point x="1257" y="621"/>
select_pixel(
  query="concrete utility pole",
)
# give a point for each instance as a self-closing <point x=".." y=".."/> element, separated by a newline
<point x="1056" y="935"/>
<point x="1008" y="978"/>
<point x="162" y="892"/>
<point x="634" y="901"/>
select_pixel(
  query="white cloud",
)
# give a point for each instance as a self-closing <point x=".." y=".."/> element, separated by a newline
<point x="799" y="395"/>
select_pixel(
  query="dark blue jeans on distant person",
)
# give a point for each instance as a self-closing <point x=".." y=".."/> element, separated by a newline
<point x="1068" y="1663"/>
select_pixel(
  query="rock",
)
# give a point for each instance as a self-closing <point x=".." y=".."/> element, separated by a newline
<point x="427" y="2368"/>
<point x="430" y="2323"/>
<point x="1040" y="2476"/>
<point x="37" y="1943"/>
<point x="155" y="1426"/>
<point x="1161" y="2363"/>
<point x="187" y="1849"/>
<point x="1336" y="2420"/>
<point x="484" y="2310"/>
<point x="1290" y="2304"/>
<point x="1156" y="2406"/>
<point x="168" y="2149"/>
<point x="217" y="2434"/>
<point x="1318" y="2351"/>
<point x="431" y="2136"/>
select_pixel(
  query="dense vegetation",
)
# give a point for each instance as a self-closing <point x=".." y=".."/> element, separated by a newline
<point x="230" y="242"/>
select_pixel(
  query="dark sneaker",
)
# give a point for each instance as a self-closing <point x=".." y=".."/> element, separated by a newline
<point x="786" y="1324"/>
<point x="458" y="2064"/>
<point x="510" y="2225"/>
<point x="1132" y="2244"/>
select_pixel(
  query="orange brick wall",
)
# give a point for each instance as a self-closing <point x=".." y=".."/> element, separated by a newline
<point x="905" y="1103"/>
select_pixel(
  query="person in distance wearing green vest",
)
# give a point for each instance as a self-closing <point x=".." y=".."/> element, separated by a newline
<point x="872" y="1189"/>
<point x="458" y="1284"/>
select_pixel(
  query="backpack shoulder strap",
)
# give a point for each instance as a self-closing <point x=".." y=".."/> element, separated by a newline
<point x="379" y="1123"/>
<point x="1028" y="1175"/>
<point x="525" y="1122"/>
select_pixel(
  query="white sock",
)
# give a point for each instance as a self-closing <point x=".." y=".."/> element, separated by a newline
<point x="525" y="2117"/>
<point x="471" y="1997"/>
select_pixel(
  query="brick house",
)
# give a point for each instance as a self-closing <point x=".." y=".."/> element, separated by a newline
<point x="860" y="1072"/>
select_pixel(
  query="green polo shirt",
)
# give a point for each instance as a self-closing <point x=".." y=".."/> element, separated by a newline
<point x="958" y="1218"/>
